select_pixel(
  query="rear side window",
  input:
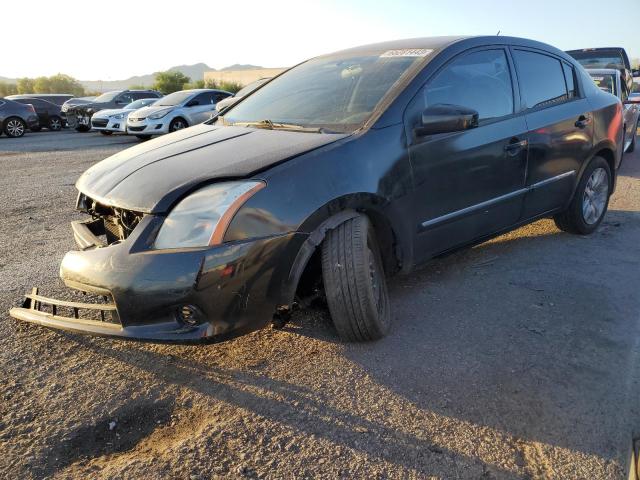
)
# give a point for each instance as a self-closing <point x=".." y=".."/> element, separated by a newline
<point x="542" y="79"/>
<point x="479" y="80"/>
<point x="569" y="77"/>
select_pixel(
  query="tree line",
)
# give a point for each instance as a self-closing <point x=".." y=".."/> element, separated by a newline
<point x="165" y="82"/>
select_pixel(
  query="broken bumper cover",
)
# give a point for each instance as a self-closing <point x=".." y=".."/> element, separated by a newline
<point x="228" y="290"/>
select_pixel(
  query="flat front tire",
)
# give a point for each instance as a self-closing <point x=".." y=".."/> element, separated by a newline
<point x="354" y="281"/>
<point x="590" y="201"/>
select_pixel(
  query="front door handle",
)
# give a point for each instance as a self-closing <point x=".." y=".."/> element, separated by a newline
<point x="583" y="121"/>
<point x="515" y="146"/>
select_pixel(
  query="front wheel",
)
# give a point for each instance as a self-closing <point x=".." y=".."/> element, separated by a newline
<point x="177" y="124"/>
<point x="354" y="281"/>
<point x="15" y="127"/>
<point x="590" y="201"/>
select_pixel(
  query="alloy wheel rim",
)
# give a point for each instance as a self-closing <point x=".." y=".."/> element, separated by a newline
<point x="595" y="194"/>
<point x="178" y="125"/>
<point x="15" y="128"/>
<point x="55" y="124"/>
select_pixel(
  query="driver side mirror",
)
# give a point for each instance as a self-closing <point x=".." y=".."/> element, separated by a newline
<point x="445" y="118"/>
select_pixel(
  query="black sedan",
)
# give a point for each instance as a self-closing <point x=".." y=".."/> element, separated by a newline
<point x="16" y="118"/>
<point x="345" y="169"/>
<point x="49" y="114"/>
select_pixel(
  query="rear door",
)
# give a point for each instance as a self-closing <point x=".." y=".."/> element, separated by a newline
<point x="560" y="128"/>
<point x="469" y="183"/>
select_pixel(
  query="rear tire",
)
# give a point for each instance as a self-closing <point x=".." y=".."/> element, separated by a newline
<point x="590" y="201"/>
<point x="55" y="124"/>
<point x="354" y="281"/>
<point x="14" y="127"/>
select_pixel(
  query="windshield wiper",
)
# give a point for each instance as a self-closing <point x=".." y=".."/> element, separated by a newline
<point x="269" y="125"/>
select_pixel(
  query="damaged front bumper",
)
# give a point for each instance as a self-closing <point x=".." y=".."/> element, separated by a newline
<point x="188" y="295"/>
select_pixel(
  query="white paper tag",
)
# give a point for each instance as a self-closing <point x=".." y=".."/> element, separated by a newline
<point x="407" y="52"/>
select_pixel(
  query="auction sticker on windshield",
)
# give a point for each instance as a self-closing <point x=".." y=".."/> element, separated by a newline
<point x="407" y="52"/>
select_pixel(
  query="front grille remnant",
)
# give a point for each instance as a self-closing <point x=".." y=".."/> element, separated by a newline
<point x="101" y="310"/>
<point x="118" y="222"/>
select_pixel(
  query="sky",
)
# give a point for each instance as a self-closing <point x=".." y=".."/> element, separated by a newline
<point x="115" y="39"/>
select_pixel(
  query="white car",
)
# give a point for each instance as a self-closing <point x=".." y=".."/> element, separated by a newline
<point x="115" y="120"/>
<point x="174" y="112"/>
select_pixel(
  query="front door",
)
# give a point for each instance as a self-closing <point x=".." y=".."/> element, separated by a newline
<point x="470" y="183"/>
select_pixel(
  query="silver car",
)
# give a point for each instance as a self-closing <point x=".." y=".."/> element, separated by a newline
<point x="115" y="120"/>
<point x="174" y="112"/>
<point x="610" y="80"/>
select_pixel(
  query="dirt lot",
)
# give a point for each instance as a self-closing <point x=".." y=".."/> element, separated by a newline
<point x="514" y="359"/>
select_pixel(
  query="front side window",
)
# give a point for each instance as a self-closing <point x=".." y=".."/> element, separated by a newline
<point x="338" y="92"/>
<point x="541" y="77"/>
<point x="478" y="80"/>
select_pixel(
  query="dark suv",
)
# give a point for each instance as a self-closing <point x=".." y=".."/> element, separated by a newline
<point x="15" y="118"/>
<point x="49" y="114"/>
<point x="344" y="169"/>
<point x="79" y="116"/>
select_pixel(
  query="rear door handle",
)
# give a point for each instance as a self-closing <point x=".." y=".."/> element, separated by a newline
<point x="583" y="121"/>
<point x="515" y="146"/>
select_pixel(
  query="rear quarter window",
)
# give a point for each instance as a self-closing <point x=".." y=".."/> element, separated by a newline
<point x="541" y="78"/>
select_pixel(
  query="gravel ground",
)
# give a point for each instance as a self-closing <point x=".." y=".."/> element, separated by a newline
<point x="515" y="359"/>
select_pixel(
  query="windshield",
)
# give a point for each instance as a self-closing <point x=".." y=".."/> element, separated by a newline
<point x="140" y="103"/>
<point x="337" y="93"/>
<point x="106" y="97"/>
<point x="606" y="83"/>
<point x="173" y="99"/>
<point x="250" y="88"/>
<point x="594" y="60"/>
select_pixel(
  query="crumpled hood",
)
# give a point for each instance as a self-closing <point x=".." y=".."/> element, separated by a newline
<point x="151" y="176"/>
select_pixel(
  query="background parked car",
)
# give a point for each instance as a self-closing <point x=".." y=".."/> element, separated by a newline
<point x="610" y="80"/>
<point x="15" y="117"/>
<point x="115" y="120"/>
<point x="49" y="114"/>
<point x="57" y="98"/>
<point x="174" y="112"/>
<point x="243" y="92"/>
<point x="609" y="57"/>
<point x="79" y="116"/>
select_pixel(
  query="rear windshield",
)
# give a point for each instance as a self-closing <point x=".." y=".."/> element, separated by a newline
<point x="604" y="82"/>
<point x="338" y="93"/>
<point x="599" y="60"/>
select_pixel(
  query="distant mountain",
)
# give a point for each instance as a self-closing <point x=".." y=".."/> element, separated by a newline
<point x="194" y="72"/>
<point x="238" y="66"/>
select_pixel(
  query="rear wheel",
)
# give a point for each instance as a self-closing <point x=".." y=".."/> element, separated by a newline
<point x="177" y="124"/>
<point x="590" y="202"/>
<point x="55" y="123"/>
<point x="14" y="127"/>
<point x="354" y="281"/>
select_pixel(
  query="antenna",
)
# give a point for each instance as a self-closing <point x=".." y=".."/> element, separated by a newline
<point x="498" y="34"/>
